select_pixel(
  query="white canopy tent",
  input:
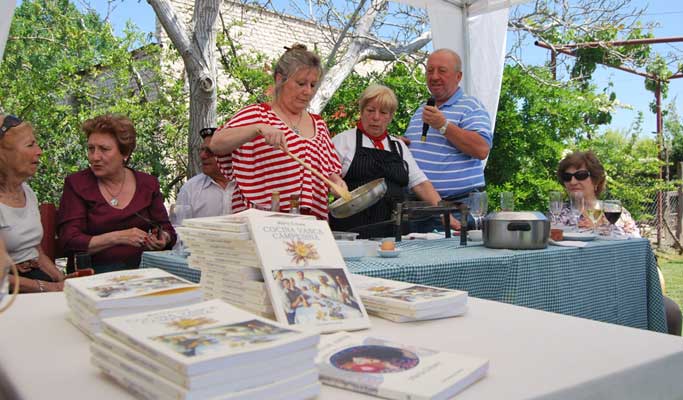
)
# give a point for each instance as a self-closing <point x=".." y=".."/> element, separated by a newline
<point x="6" y="13"/>
<point x="475" y="29"/>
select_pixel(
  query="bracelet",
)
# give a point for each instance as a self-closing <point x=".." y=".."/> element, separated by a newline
<point x="40" y="285"/>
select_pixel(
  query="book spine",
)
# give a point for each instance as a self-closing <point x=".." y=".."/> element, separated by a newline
<point x="153" y="354"/>
<point x="140" y="391"/>
<point x="122" y="351"/>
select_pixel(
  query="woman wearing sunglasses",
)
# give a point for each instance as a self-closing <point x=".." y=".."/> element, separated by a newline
<point x="20" y="226"/>
<point x="582" y="172"/>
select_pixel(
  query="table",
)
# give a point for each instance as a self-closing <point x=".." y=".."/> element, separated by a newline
<point x="608" y="281"/>
<point x="533" y="354"/>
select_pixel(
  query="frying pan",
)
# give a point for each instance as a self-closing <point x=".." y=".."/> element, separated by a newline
<point x="350" y="203"/>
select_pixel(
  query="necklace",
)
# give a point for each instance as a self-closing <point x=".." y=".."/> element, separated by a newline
<point x="114" y="201"/>
<point x="290" y="124"/>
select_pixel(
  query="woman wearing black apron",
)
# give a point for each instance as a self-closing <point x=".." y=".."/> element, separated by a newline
<point x="368" y="153"/>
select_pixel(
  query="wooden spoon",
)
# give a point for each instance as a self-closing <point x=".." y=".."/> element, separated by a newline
<point x="344" y="193"/>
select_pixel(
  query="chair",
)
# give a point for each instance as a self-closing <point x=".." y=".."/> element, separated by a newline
<point x="48" y="218"/>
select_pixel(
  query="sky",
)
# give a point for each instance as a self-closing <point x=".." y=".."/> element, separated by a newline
<point x="629" y="88"/>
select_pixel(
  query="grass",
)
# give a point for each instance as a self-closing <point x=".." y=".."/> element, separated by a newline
<point x="671" y="265"/>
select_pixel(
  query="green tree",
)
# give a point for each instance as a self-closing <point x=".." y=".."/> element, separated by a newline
<point x="62" y="66"/>
<point x="534" y="124"/>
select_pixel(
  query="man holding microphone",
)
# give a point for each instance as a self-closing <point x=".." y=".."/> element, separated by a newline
<point x="458" y="131"/>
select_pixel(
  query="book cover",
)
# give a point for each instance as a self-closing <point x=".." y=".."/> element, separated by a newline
<point x="395" y="371"/>
<point x="404" y="295"/>
<point x="131" y="288"/>
<point x="306" y="276"/>
<point x="305" y="357"/>
<point x="206" y="336"/>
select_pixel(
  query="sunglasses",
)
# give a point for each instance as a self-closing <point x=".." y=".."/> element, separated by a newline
<point x="8" y="123"/>
<point x="580" y="175"/>
<point x="206" y="132"/>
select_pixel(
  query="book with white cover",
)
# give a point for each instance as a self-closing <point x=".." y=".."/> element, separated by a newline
<point x="174" y="391"/>
<point x="131" y="288"/>
<point x="302" y="357"/>
<point x="206" y="336"/>
<point x="306" y="276"/>
<point x="404" y="295"/>
<point x="298" y="387"/>
<point x="236" y="222"/>
<point x="429" y="314"/>
<point x="395" y="371"/>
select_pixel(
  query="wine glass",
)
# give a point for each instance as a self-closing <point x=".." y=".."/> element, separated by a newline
<point x="576" y="206"/>
<point x="478" y="206"/>
<point x="507" y="201"/>
<point x="177" y="215"/>
<point x="594" y="212"/>
<point x="612" y="210"/>
<point x="555" y="203"/>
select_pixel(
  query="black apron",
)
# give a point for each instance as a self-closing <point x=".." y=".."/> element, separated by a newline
<point x="369" y="164"/>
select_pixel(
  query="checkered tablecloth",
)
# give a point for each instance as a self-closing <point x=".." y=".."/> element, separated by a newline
<point x="169" y="262"/>
<point x="609" y="281"/>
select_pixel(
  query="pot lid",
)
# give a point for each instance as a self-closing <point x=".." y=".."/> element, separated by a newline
<point x="516" y="216"/>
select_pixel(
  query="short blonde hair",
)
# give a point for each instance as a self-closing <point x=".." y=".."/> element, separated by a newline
<point x="383" y="95"/>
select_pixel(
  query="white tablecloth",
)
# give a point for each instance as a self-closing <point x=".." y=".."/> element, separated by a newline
<point x="533" y="354"/>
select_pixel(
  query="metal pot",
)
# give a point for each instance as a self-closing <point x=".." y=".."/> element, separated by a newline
<point x="362" y="197"/>
<point x="516" y="230"/>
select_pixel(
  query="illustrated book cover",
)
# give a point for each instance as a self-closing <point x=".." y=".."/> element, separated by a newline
<point x="131" y="288"/>
<point x="395" y="371"/>
<point x="306" y="276"/>
<point x="404" y="295"/>
<point x="206" y="336"/>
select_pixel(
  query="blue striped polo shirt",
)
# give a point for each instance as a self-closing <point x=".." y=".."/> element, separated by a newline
<point x="451" y="171"/>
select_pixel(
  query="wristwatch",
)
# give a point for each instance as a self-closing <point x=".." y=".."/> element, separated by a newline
<point x="443" y="128"/>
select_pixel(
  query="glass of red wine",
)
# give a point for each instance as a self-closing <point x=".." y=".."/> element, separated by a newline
<point x="612" y="211"/>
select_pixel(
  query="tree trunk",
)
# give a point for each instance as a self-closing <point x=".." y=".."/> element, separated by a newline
<point x="196" y="47"/>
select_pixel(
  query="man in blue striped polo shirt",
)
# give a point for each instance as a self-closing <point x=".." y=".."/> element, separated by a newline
<point x="459" y="135"/>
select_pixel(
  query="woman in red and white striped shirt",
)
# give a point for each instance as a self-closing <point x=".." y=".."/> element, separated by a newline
<point x="251" y="142"/>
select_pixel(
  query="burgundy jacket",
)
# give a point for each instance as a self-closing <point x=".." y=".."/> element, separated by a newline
<point x="84" y="213"/>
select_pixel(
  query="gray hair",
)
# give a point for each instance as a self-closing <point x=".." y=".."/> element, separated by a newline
<point x="294" y="58"/>
<point x="452" y="53"/>
<point x="385" y="97"/>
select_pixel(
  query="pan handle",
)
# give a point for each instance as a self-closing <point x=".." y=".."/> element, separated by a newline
<point x="345" y="194"/>
<point x="519" y="226"/>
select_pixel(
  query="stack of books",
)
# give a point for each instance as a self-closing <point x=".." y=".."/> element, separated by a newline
<point x="207" y="350"/>
<point x="407" y="302"/>
<point x="223" y="250"/>
<point x="95" y="297"/>
<point x="394" y="370"/>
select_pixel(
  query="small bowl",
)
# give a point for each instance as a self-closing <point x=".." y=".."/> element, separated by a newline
<point x="474" y="235"/>
<point x="389" y="253"/>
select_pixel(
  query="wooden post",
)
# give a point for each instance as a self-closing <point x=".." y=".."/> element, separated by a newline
<point x="660" y="195"/>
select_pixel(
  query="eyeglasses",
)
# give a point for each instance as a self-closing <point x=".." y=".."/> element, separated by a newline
<point x="8" y="123"/>
<point x="206" y="132"/>
<point x="580" y="175"/>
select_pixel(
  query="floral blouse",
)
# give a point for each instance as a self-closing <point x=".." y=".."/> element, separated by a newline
<point x="624" y="227"/>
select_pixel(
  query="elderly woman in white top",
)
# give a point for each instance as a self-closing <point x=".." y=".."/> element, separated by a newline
<point x="367" y="153"/>
<point x="20" y="226"/>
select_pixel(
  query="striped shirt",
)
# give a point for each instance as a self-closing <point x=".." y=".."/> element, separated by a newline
<point x="451" y="171"/>
<point x="259" y="169"/>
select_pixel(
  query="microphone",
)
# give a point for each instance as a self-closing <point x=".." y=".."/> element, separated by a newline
<point x="425" y="126"/>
